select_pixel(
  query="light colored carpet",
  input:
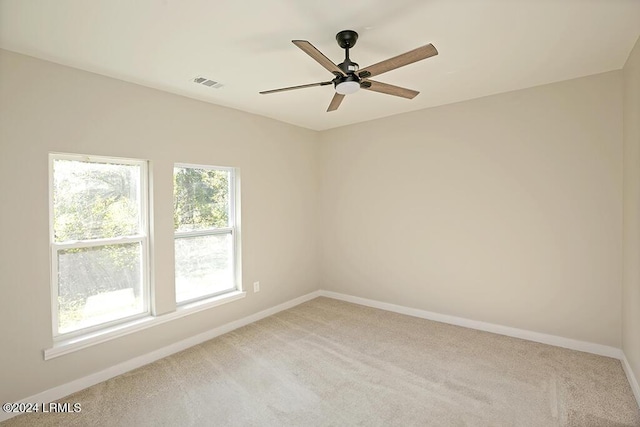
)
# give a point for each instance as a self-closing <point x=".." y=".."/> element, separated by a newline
<point x="331" y="363"/>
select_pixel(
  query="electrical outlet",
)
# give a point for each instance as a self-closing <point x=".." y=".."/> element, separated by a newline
<point x="256" y="286"/>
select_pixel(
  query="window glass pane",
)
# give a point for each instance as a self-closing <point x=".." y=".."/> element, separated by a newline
<point x="201" y="198"/>
<point x="99" y="284"/>
<point x="203" y="266"/>
<point x="95" y="200"/>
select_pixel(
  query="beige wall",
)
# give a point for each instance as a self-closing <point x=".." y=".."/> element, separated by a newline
<point x="505" y="209"/>
<point x="631" y="283"/>
<point x="46" y="107"/>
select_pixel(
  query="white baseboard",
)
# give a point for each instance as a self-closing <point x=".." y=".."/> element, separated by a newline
<point x="631" y="377"/>
<point x="63" y="390"/>
<point x="599" y="349"/>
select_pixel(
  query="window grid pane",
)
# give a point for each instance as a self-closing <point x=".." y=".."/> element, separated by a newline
<point x="99" y="284"/>
<point x="201" y="198"/>
<point x="204" y="266"/>
<point x="95" y="200"/>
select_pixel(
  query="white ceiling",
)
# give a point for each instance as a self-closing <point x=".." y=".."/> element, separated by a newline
<point x="486" y="47"/>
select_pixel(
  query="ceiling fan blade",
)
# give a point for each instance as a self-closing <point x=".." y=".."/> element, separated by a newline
<point x="295" y="87"/>
<point x="311" y="50"/>
<point x="335" y="102"/>
<point x="388" y="89"/>
<point x="407" y="58"/>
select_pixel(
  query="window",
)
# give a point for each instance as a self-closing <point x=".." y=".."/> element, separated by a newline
<point x="101" y="284"/>
<point x="99" y="242"/>
<point x="205" y="231"/>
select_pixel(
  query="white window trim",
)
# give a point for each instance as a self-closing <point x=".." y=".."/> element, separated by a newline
<point x="142" y="238"/>
<point x="232" y="229"/>
<point x="70" y="345"/>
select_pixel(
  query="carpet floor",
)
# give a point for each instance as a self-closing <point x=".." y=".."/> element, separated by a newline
<point x="331" y="363"/>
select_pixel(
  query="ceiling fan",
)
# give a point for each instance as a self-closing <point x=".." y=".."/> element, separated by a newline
<point x="349" y="78"/>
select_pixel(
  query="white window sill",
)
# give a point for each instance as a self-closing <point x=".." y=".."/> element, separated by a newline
<point x="78" y="343"/>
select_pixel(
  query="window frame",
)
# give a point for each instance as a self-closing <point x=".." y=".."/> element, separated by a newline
<point x="232" y="229"/>
<point x="142" y="237"/>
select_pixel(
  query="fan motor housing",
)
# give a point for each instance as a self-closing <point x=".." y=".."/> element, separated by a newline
<point x="349" y="67"/>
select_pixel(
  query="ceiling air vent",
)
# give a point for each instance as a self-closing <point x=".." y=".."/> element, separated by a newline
<point x="207" y="82"/>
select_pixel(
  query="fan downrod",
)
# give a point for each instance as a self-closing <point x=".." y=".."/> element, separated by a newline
<point x="347" y="39"/>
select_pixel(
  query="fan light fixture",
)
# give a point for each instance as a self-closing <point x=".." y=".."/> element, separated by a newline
<point x="347" y="88"/>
